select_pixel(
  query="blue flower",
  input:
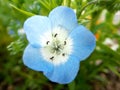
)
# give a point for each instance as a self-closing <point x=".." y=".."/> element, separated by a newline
<point x="57" y="44"/>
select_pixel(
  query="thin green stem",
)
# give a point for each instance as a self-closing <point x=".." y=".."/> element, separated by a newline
<point x="83" y="8"/>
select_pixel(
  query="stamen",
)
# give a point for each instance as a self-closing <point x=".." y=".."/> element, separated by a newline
<point x="63" y="54"/>
<point x="56" y="47"/>
<point x="55" y="35"/>
<point x="64" y="42"/>
<point x="52" y="58"/>
<point x="47" y="42"/>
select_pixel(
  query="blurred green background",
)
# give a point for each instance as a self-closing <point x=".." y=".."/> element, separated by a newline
<point x="101" y="71"/>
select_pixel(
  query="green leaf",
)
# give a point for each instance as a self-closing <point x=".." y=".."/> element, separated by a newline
<point x="22" y="11"/>
<point x="67" y="3"/>
<point x="71" y="86"/>
<point x="45" y="4"/>
<point x="114" y="70"/>
<point x="110" y="5"/>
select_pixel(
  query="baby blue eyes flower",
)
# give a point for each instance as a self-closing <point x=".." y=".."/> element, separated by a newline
<point x="57" y="44"/>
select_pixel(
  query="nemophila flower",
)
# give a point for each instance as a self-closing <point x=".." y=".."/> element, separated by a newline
<point x="57" y="44"/>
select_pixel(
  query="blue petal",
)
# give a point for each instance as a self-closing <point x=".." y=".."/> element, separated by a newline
<point x="83" y="42"/>
<point x="64" y="73"/>
<point x="63" y="16"/>
<point x="33" y="59"/>
<point x="34" y="27"/>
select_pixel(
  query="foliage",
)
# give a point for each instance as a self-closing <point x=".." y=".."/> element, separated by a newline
<point x="14" y="74"/>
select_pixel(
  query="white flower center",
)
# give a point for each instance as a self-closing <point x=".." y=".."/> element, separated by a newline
<point x="56" y="46"/>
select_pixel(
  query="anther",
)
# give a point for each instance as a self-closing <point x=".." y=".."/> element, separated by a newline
<point x="47" y="42"/>
<point x="55" y="35"/>
<point x="63" y="54"/>
<point x="52" y="58"/>
<point x="64" y="42"/>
